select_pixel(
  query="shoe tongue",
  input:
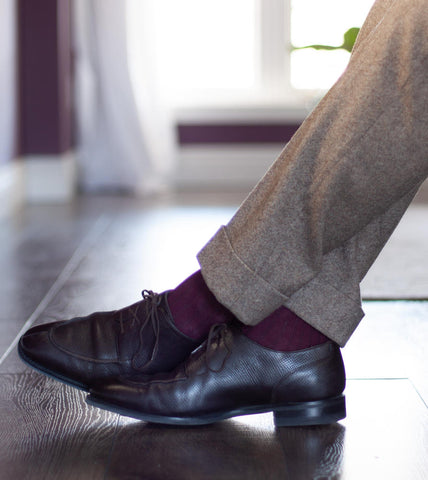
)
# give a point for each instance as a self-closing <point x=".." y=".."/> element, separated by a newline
<point x="144" y="340"/>
<point x="143" y="355"/>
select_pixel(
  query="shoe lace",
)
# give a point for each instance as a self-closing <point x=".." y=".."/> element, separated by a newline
<point x="216" y="334"/>
<point x="151" y="302"/>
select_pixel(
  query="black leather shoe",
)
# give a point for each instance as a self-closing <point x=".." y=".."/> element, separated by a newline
<point x="231" y="375"/>
<point x="141" y="338"/>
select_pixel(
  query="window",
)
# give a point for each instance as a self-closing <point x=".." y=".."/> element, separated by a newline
<point x="321" y="23"/>
<point x="239" y="51"/>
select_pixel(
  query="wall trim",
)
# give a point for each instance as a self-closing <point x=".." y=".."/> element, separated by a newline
<point x="250" y="113"/>
<point x="49" y="178"/>
<point x="232" y="166"/>
<point x="223" y="166"/>
<point x="10" y="188"/>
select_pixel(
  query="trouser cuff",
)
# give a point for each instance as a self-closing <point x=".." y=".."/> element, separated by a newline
<point x="251" y="298"/>
<point x="235" y="284"/>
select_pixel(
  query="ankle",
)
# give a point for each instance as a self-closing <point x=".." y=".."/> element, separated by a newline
<point x="284" y="331"/>
<point x="195" y="309"/>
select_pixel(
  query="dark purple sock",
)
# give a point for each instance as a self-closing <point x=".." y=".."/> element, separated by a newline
<point x="195" y="309"/>
<point x="283" y="330"/>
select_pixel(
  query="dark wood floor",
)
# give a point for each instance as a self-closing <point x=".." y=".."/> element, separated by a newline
<point x="57" y="262"/>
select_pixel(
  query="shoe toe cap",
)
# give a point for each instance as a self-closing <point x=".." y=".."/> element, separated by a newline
<point x="44" y="327"/>
<point x="37" y="350"/>
<point x="35" y="344"/>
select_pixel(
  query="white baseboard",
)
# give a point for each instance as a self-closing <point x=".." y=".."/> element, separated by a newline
<point x="238" y="166"/>
<point x="10" y="191"/>
<point x="49" y="178"/>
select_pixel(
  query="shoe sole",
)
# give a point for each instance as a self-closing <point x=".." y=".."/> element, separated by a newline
<point x="49" y="373"/>
<point x="319" y="412"/>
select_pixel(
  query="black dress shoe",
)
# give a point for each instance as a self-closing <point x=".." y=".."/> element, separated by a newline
<point x="141" y="338"/>
<point x="231" y="375"/>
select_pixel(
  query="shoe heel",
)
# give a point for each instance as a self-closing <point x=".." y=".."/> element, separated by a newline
<point x="311" y="413"/>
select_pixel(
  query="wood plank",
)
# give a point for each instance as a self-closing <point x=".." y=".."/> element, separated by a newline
<point x="140" y="248"/>
<point x="384" y="436"/>
<point x="234" y="449"/>
<point x="313" y="452"/>
<point x="391" y="342"/>
<point x="386" y="431"/>
<point x="48" y="432"/>
<point x="36" y="245"/>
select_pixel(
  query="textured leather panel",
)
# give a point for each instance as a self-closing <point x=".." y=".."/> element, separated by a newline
<point x="230" y="371"/>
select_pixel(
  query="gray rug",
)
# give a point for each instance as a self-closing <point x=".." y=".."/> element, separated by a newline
<point x="401" y="270"/>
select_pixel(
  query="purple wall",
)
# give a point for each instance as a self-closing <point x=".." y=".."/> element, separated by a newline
<point x="199" y="134"/>
<point x="44" y="77"/>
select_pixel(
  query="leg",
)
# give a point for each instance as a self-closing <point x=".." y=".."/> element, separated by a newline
<point x="304" y="238"/>
<point x="308" y="233"/>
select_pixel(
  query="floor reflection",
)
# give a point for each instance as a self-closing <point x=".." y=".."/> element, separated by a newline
<point x="227" y="450"/>
<point x="313" y="452"/>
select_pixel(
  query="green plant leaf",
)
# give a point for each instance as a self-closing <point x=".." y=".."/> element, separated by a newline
<point x="348" y="42"/>
<point x="349" y="38"/>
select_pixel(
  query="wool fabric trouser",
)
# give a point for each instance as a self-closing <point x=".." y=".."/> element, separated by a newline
<point x="309" y="231"/>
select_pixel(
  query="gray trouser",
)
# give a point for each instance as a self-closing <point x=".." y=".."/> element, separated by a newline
<point x="308" y="233"/>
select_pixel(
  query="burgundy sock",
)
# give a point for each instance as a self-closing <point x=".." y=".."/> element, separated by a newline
<point x="195" y="309"/>
<point x="283" y="330"/>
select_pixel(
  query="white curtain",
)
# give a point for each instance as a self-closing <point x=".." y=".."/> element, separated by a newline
<point x="7" y="79"/>
<point x="117" y="146"/>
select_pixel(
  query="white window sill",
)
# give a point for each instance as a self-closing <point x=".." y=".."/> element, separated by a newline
<point x="242" y="111"/>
